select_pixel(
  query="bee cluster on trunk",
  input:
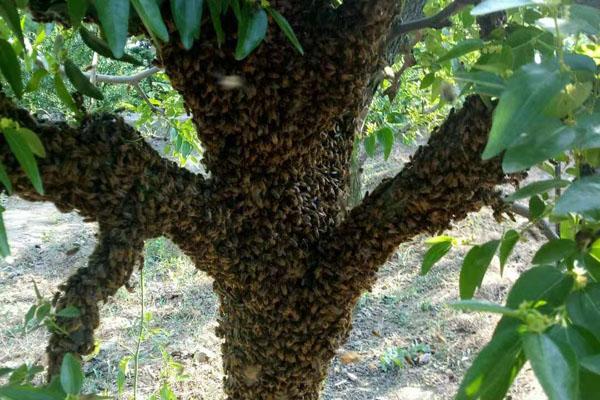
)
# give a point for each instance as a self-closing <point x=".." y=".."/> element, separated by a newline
<point x="269" y="222"/>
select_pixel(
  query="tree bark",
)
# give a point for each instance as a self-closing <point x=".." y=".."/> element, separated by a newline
<point x="270" y="224"/>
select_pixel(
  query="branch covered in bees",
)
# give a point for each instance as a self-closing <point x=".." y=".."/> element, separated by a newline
<point x="118" y="252"/>
<point x="443" y="182"/>
<point x="365" y="13"/>
<point x="104" y="170"/>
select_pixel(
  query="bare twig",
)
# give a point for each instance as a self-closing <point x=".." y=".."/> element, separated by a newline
<point x="126" y="80"/>
<point x="144" y="97"/>
<point x="439" y="20"/>
<point x="543" y="225"/>
<point x="94" y="69"/>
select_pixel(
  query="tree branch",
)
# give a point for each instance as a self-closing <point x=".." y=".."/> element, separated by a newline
<point x="144" y="97"/>
<point x="125" y="80"/>
<point x="443" y="182"/>
<point x="437" y="21"/>
<point x="541" y="224"/>
<point x="110" y="266"/>
<point x="104" y="170"/>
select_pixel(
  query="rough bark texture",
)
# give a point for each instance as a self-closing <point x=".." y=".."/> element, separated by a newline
<point x="269" y="224"/>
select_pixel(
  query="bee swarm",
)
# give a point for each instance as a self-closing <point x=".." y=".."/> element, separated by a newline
<point x="269" y="225"/>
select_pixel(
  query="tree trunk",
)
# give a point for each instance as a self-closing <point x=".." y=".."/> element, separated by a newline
<point x="283" y="353"/>
<point x="270" y="223"/>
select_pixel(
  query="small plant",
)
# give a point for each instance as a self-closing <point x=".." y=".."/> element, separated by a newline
<point x="66" y="386"/>
<point x="43" y="313"/>
<point x="399" y="357"/>
<point x="426" y="306"/>
<point x="21" y="382"/>
<point x="172" y="372"/>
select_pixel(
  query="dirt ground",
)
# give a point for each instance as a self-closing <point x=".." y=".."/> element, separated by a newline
<point x="403" y="314"/>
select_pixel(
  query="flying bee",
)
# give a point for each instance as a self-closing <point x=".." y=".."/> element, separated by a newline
<point x="231" y="82"/>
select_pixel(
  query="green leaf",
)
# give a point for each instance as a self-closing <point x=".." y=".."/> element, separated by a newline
<point x="496" y="62"/>
<point x="592" y="265"/>
<point x="554" y="364"/>
<point x="584" y="346"/>
<point x="5" y="179"/>
<point x="428" y="80"/>
<point x="4" y="247"/>
<point x="63" y="94"/>
<point x="77" y="10"/>
<point x="81" y="82"/>
<point x="114" y="18"/>
<point x="525" y="98"/>
<point x="251" y="32"/>
<point x="440" y="239"/>
<point x="186" y="149"/>
<point x="570" y="99"/>
<point x="484" y="82"/>
<point x="591" y="363"/>
<point x="435" y="254"/>
<point x="188" y="17"/>
<point x="582" y="197"/>
<point x="385" y="137"/>
<point x="19" y="375"/>
<point x="214" y="6"/>
<point x="474" y="267"/>
<point x="585" y="18"/>
<point x="578" y="19"/>
<point x="544" y="283"/>
<point x="370" y="145"/>
<point x="482" y="306"/>
<point x="55" y="389"/>
<point x="149" y="13"/>
<point x="583" y="66"/>
<point x="69" y="312"/>
<point x="594" y="249"/>
<point x="525" y="41"/>
<point x="71" y="374"/>
<point x="588" y="131"/>
<point x="25" y="393"/>
<point x="494" y="369"/>
<point x="33" y="141"/>
<point x="537" y="207"/>
<point x="10" y="14"/>
<point x="568" y="229"/>
<point x="491" y="6"/>
<point x="34" y="82"/>
<point x="22" y="151"/>
<point x="10" y="67"/>
<point x="461" y="48"/>
<point x="29" y="315"/>
<point x="583" y="308"/>
<point x="285" y="26"/>
<point x="100" y="47"/>
<point x="537" y="188"/>
<point x="545" y="138"/>
<point x="122" y="374"/>
<point x="509" y="240"/>
<point x="43" y="311"/>
<point x="555" y="250"/>
<point x="589" y="384"/>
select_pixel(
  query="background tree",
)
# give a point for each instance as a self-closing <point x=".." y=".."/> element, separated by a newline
<point x="277" y="93"/>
